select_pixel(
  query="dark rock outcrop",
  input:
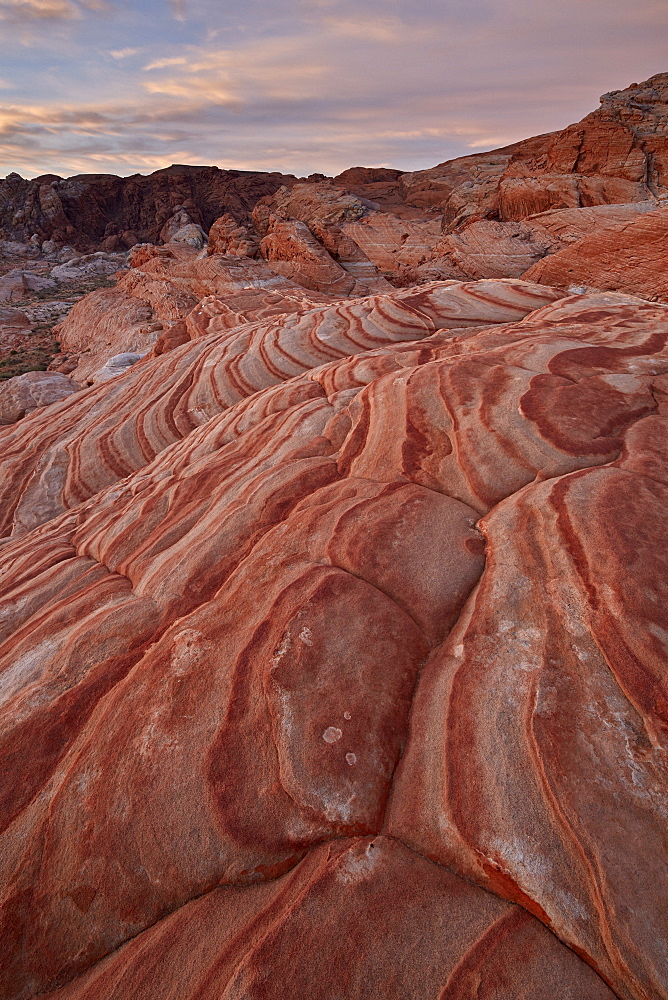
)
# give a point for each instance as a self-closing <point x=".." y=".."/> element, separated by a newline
<point x="88" y="209"/>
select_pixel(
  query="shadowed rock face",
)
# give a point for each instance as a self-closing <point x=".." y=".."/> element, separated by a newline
<point x="333" y="629"/>
<point x="87" y="209"/>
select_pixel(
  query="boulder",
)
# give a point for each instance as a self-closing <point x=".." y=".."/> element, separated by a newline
<point x="180" y="228"/>
<point x="322" y="202"/>
<point x="227" y="236"/>
<point x="117" y="365"/>
<point x="192" y="234"/>
<point x="177" y="221"/>
<point x="24" y="394"/>
<point x="291" y="250"/>
<point x="13" y="286"/>
<point x="13" y="318"/>
<point x="147" y="251"/>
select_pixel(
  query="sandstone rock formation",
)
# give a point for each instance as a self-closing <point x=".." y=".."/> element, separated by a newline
<point x="162" y="289"/>
<point x="489" y="249"/>
<point x="568" y="225"/>
<point x="333" y="628"/>
<point x="320" y="202"/>
<point x="616" y="154"/>
<point x="227" y="236"/>
<point x="254" y="605"/>
<point x="87" y="209"/>
<point x="630" y="255"/>
<point x="291" y="249"/>
<point x="17" y="284"/>
<point x="117" y="365"/>
<point x="461" y="941"/>
<point x="163" y="400"/>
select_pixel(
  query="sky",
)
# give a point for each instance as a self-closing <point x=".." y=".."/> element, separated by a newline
<point x="302" y="86"/>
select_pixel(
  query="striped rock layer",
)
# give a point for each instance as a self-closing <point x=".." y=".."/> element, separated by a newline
<point x="630" y="256"/>
<point x="342" y="634"/>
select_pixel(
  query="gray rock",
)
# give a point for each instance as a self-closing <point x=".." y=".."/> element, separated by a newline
<point x="10" y="248"/>
<point x="13" y="319"/>
<point x="178" y="220"/>
<point x="192" y="234"/>
<point x="38" y="282"/>
<point x="117" y="366"/>
<point x="89" y="264"/>
<point x="12" y="286"/>
<point x="50" y="311"/>
<point x="24" y="394"/>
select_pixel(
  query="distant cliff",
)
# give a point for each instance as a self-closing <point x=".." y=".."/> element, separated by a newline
<point x="86" y="210"/>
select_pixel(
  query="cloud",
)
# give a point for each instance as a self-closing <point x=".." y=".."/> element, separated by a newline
<point x="124" y="53"/>
<point x="47" y="10"/>
<point x="37" y="10"/>
<point x="368" y="29"/>
<point x="161" y="129"/>
<point x="178" y="9"/>
<point x="162" y="63"/>
<point x="265" y="71"/>
<point x="309" y="86"/>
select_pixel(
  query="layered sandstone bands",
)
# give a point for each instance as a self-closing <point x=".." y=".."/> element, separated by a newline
<point x="255" y="604"/>
<point x="629" y="255"/>
<point x="462" y="942"/>
<point x="158" y="402"/>
<point x="581" y="659"/>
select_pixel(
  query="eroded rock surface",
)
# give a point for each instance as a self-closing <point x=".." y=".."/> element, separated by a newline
<point x="89" y="209"/>
<point x="462" y="943"/>
<point x="616" y="154"/>
<point x="26" y="393"/>
<point x="263" y="612"/>
<point x="631" y="255"/>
